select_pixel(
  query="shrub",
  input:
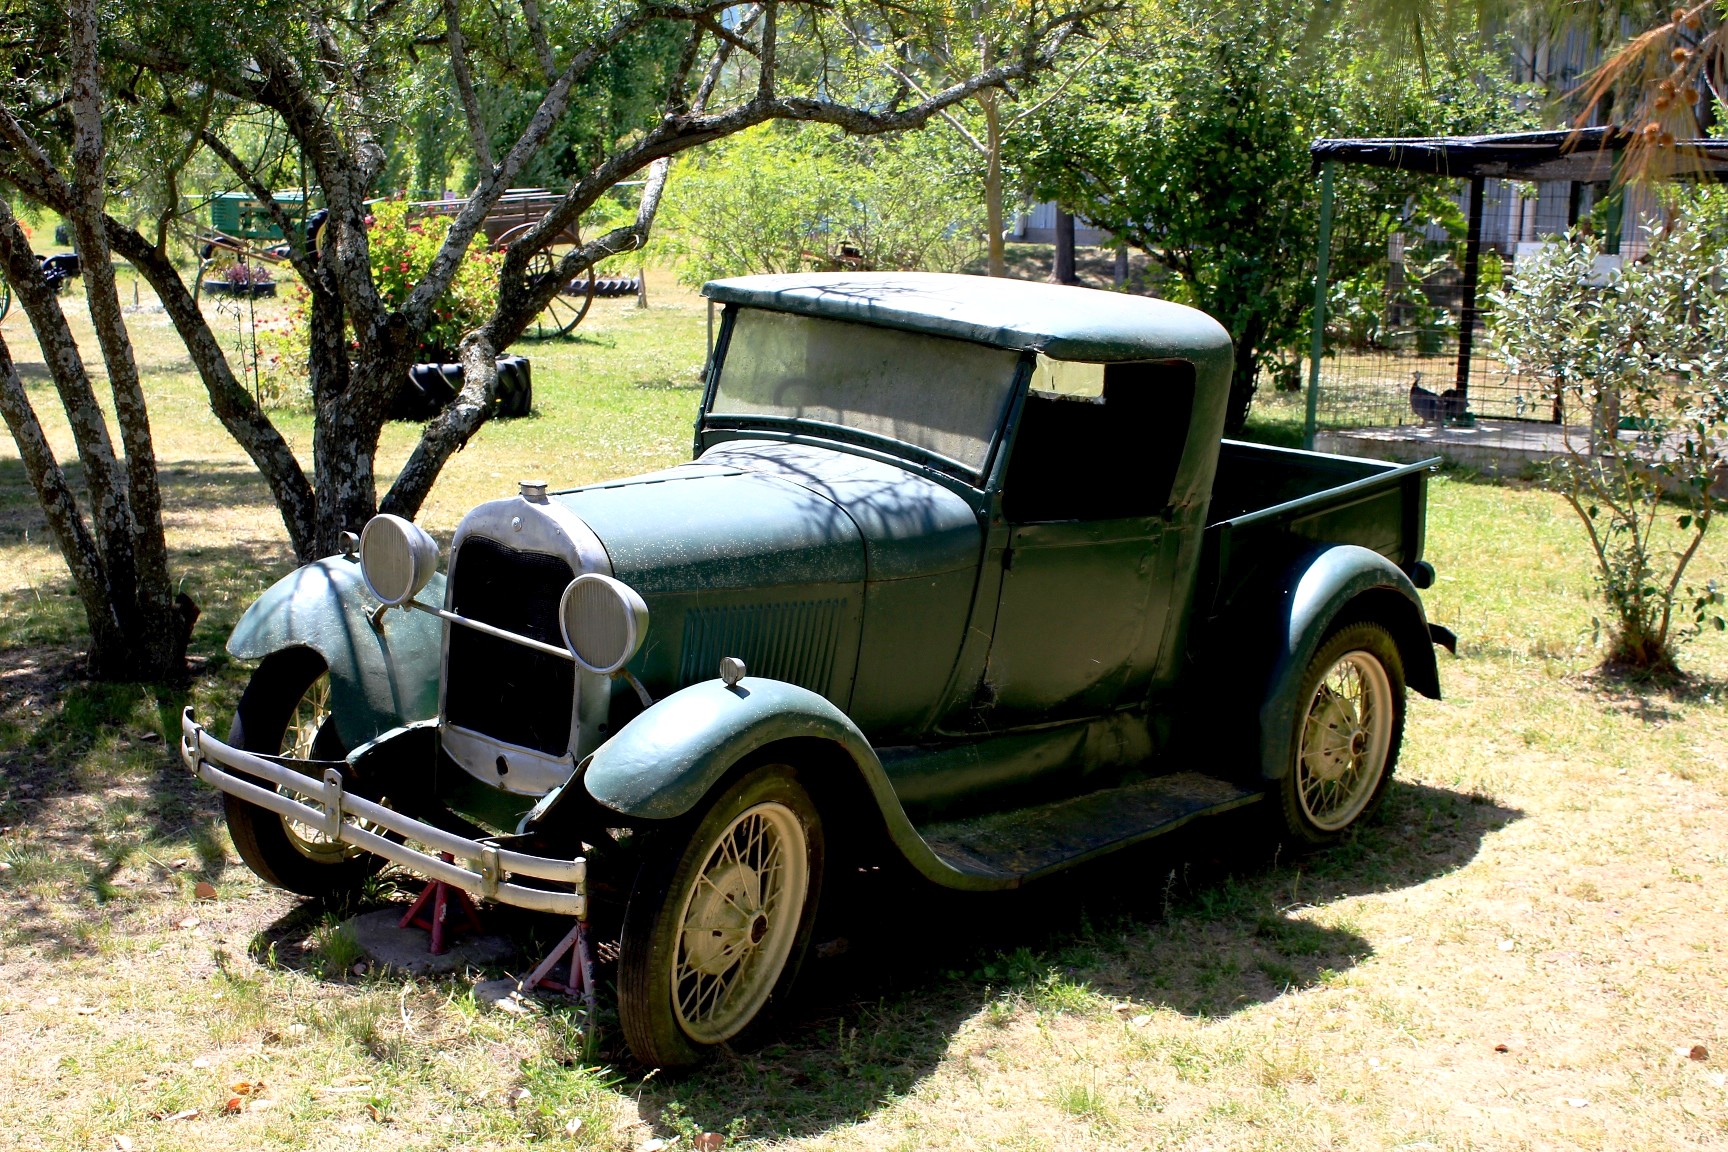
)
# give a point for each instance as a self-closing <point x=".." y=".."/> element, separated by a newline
<point x="794" y="198"/>
<point x="402" y="249"/>
<point x="1638" y="361"/>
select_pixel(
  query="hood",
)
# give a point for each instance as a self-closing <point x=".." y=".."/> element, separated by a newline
<point x="751" y="514"/>
<point x="702" y="526"/>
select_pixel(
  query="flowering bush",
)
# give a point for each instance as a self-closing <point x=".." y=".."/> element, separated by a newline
<point x="403" y="248"/>
<point x="239" y="272"/>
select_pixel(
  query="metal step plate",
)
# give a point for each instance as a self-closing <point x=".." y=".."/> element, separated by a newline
<point x="1028" y="842"/>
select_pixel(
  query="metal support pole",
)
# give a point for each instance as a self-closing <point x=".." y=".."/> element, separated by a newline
<point x="1615" y="223"/>
<point x="1322" y="262"/>
<point x="1472" y="267"/>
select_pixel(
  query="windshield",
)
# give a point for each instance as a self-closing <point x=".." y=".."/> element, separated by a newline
<point x="944" y="396"/>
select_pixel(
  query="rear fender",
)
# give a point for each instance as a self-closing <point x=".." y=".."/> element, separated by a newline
<point x="380" y="678"/>
<point x="1345" y="584"/>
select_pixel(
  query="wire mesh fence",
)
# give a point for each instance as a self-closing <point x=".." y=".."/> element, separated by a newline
<point x="1393" y="352"/>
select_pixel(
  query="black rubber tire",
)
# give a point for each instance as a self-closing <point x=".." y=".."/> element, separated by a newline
<point x="1372" y="640"/>
<point x="259" y="835"/>
<point x="514" y="395"/>
<point x="648" y="947"/>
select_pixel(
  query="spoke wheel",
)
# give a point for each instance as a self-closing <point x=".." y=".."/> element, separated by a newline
<point x="310" y="720"/>
<point x="1350" y="724"/>
<point x="285" y="711"/>
<point x="719" y="920"/>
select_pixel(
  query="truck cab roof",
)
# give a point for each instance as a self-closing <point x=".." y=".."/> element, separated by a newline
<point x="1062" y="322"/>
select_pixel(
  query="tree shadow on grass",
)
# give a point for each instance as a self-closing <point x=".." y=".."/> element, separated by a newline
<point x="90" y="778"/>
<point x="1201" y="922"/>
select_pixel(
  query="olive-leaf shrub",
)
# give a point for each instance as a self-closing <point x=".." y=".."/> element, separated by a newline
<point x="1638" y="359"/>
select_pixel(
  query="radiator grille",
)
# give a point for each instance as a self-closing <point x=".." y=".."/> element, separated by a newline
<point x="794" y="642"/>
<point x="505" y="690"/>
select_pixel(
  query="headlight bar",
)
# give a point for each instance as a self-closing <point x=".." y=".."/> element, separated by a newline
<point x="491" y="630"/>
<point x="333" y="811"/>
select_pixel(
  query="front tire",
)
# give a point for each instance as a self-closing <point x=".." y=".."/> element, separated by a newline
<point x="719" y="919"/>
<point x="285" y="712"/>
<point x="1349" y="726"/>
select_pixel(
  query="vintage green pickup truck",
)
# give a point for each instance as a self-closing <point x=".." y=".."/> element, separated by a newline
<point x="961" y="574"/>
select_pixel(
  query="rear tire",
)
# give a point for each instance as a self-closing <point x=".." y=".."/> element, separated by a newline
<point x="1349" y="726"/>
<point x="719" y="920"/>
<point x="284" y="712"/>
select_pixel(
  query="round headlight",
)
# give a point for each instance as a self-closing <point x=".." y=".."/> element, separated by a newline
<point x="397" y="558"/>
<point x="604" y="621"/>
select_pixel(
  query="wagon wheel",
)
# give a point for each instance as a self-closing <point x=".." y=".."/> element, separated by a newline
<point x="568" y="306"/>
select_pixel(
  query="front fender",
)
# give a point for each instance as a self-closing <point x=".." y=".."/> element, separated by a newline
<point x="1338" y="585"/>
<point x="662" y="763"/>
<point x="379" y="678"/>
<point x="665" y="762"/>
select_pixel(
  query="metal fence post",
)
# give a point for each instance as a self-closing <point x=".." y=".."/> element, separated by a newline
<point x="1472" y="269"/>
<point x="1320" y="274"/>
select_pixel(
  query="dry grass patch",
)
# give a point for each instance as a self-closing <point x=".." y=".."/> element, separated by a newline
<point x="1519" y="952"/>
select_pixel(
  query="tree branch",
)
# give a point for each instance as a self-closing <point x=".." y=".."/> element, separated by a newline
<point x="59" y="507"/>
<point x="152" y="592"/>
<point x="229" y="399"/>
<point x="477" y="135"/>
<point x="766" y="58"/>
<point x="537" y="36"/>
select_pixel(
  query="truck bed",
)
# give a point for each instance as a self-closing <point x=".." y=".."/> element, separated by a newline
<point x="1270" y="504"/>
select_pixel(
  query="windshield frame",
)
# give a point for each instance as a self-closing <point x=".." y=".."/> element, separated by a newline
<point x="790" y="427"/>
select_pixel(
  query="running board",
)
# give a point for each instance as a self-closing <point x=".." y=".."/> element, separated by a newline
<point x="1011" y="847"/>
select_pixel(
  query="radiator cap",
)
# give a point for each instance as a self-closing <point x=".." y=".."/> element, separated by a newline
<point x="533" y="491"/>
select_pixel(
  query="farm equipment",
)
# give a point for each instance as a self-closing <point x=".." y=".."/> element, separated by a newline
<point x="515" y="214"/>
<point x="242" y="231"/>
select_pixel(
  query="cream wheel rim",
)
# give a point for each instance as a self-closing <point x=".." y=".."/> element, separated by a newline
<point x="1346" y="736"/>
<point x="738" y="921"/>
<point x="310" y="714"/>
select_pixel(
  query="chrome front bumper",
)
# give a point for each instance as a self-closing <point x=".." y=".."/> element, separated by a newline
<point x="325" y="805"/>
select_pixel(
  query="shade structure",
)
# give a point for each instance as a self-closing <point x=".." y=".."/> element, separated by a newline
<point x="1583" y="155"/>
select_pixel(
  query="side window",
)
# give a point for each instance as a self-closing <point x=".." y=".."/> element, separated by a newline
<point x="1099" y="442"/>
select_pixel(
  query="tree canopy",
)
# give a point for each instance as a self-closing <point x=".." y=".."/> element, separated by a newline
<point x="1191" y="142"/>
<point x="580" y="94"/>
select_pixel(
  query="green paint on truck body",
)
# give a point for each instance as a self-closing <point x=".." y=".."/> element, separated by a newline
<point x="1043" y="609"/>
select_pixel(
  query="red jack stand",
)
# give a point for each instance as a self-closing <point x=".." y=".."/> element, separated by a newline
<point x="580" y="978"/>
<point x="447" y="902"/>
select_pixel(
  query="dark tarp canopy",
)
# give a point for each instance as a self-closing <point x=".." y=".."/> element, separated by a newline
<point x="1584" y="156"/>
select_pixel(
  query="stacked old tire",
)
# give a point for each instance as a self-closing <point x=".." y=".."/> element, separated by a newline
<point x="430" y="388"/>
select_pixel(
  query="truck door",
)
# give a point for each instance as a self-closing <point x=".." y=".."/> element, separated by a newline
<point x="1087" y="574"/>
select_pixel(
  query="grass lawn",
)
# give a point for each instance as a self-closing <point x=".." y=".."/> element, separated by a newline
<point x="1519" y="952"/>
